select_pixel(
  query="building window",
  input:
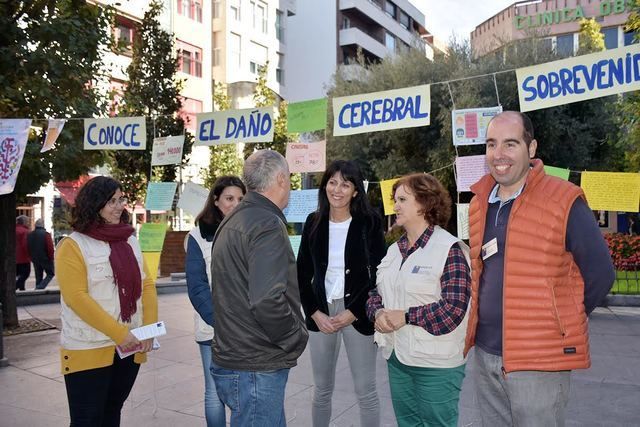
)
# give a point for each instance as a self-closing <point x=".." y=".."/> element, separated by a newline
<point x="190" y="107"/>
<point x="259" y="11"/>
<point x="390" y="41"/>
<point x="564" y="45"/>
<point x="217" y="48"/>
<point x="280" y="26"/>
<point x="235" y="49"/>
<point x="346" y="23"/>
<point x="192" y="9"/>
<point x="404" y="20"/>
<point x="234" y="6"/>
<point x="217" y="9"/>
<point x="280" y="69"/>
<point x="610" y="37"/>
<point x="190" y="58"/>
<point x="390" y="8"/>
<point x="630" y="38"/>
<point x="123" y="33"/>
<point x="259" y="55"/>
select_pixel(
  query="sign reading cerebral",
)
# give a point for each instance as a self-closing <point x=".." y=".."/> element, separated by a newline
<point x="579" y="78"/>
<point x="377" y="111"/>
<point x="235" y="126"/>
<point x="118" y="133"/>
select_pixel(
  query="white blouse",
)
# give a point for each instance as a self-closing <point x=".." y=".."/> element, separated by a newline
<point x="334" y="278"/>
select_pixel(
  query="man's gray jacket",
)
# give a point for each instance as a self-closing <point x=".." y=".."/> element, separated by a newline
<point x="258" y="318"/>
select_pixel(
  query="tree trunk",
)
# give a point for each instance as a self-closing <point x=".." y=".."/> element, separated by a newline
<point x="8" y="260"/>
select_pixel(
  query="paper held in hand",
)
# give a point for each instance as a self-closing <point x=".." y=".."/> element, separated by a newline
<point x="144" y="333"/>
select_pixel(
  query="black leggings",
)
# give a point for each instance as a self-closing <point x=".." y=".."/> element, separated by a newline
<point x="96" y="396"/>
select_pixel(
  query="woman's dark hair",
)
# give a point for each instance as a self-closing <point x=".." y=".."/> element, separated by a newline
<point x="90" y="200"/>
<point x="211" y="214"/>
<point x="359" y="204"/>
<point x="430" y="194"/>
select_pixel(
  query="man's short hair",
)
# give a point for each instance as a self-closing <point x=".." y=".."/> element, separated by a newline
<point x="262" y="168"/>
<point x="39" y="222"/>
<point x="527" y="125"/>
<point x="23" y="220"/>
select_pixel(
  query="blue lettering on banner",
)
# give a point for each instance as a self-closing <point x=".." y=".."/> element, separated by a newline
<point x="206" y="131"/>
<point x="578" y="79"/>
<point x="113" y="135"/>
<point x="256" y="124"/>
<point x="361" y="113"/>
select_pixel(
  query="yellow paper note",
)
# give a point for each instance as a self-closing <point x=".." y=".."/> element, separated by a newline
<point x="152" y="260"/>
<point x="387" y="195"/>
<point x="612" y="191"/>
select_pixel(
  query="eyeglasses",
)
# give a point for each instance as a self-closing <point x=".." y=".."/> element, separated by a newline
<point x="121" y="201"/>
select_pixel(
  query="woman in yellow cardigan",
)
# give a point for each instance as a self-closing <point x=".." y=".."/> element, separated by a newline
<point x="105" y="292"/>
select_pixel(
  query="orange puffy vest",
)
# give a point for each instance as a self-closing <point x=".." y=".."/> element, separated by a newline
<point x="544" y="321"/>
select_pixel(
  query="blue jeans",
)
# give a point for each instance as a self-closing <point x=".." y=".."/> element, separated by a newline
<point x="213" y="406"/>
<point x="256" y="398"/>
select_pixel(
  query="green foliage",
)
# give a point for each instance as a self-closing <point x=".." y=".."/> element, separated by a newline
<point x="152" y="91"/>
<point x="51" y="67"/>
<point x="590" y="36"/>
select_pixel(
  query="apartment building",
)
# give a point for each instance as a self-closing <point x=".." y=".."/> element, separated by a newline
<point x="325" y="36"/>
<point x="558" y="21"/>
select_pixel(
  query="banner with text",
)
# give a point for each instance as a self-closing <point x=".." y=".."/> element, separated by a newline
<point x="579" y="78"/>
<point x="160" y="196"/>
<point x="235" y="126"/>
<point x="377" y="111"/>
<point x="469" y="127"/>
<point x="301" y="204"/>
<point x="306" y="157"/>
<point x="167" y="150"/>
<point x="193" y="198"/>
<point x="14" y="134"/>
<point x="307" y="116"/>
<point x="469" y="170"/>
<point x="611" y="191"/>
<point x="118" y="133"/>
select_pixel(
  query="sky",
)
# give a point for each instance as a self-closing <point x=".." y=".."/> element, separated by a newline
<point x="444" y="17"/>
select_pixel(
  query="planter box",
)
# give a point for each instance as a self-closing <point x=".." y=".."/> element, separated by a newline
<point x="627" y="283"/>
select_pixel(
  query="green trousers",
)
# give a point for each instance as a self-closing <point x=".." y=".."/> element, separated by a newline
<point x="424" y="396"/>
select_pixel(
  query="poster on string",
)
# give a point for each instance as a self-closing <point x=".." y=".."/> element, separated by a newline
<point x="611" y="191"/>
<point x="306" y="156"/>
<point x="235" y="126"/>
<point x="160" y="196"/>
<point x="14" y="134"/>
<point x="117" y="133"/>
<point x="462" y="211"/>
<point x="53" y="132"/>
<point x="378" y="111"/>
<point x="167" y="150"/>
<point x="307" y="116"/>
<point x="469" y="170"/>
<point x="579" y="78"/>
<point x="386" y="188"/>
<point x="151" y="237"/>
<point x="193" y="198"/>
<point x="469" y="126"/>
<point x="301" y="204"/>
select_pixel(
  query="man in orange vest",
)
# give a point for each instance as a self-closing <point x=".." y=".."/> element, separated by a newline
<point x="539" y="266"/>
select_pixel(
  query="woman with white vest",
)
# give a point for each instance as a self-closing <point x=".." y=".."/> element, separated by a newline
<point x="225" y="195"/>
<point x="105" y="292"/>
<point x="420" y="304"/>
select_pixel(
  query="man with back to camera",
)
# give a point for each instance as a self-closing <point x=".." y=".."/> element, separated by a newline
<point x="23" y="260"/>
<point x="539" y="266"/>
<point x="40" y="246"/>
<point x="259" y="330"/>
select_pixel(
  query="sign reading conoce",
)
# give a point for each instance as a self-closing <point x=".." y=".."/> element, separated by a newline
<point x="579" y="78"/>
<point x="118" y="133"/>
<point x="235" y="126"/>
<point x="377" y="111"/>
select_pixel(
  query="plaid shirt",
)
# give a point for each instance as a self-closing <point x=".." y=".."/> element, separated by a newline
<point x="445" y="315"/>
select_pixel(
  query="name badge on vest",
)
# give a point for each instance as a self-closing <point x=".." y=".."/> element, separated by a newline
<point x="420" y="269"/>
<point x="490" y="248"/>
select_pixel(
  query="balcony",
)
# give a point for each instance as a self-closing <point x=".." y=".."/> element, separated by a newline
<point x="355" y="36"/>
<point x="375" y="13"/>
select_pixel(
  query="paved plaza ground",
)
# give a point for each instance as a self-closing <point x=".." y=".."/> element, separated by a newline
<point x="169" y="389"/>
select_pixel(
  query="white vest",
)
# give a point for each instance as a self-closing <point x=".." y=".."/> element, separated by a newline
<point x="203" y="331"/>
<point x="76" y="333"/>
<point x="417" y="283"/>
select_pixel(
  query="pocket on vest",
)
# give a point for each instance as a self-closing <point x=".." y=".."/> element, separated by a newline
<point x="424" y="344"/>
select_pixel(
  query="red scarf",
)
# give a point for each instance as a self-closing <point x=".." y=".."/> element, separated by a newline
<point x="126" y="272"/>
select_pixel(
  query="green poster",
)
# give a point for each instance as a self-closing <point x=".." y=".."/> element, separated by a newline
<point x="559" y="172"/>
<point x="307" y="116"/>
<point x="152" y="237"/>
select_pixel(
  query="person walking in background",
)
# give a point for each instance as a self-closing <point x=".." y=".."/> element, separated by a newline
<point x="540" y="266"/>
<point x="260" y="332"/>
<point x="420" y="306"/>
<point x="225" y="195"/>
<point x="40" y="246"/>
<point x="23" y="261"/>
<point x="105" y="292"/>
<point x="342" y="243"/>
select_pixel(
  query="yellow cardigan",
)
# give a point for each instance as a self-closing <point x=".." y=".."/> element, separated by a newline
<point x="71" y="273"/>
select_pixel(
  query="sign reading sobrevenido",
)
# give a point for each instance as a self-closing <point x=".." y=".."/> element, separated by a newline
<point x="373" y="112"/>
<point x="579" y="78"/>
<point x="118" y="133"/>
<point x="235" y="126"/>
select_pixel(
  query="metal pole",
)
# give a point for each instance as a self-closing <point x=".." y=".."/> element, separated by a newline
<point x="3" y="360"/>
